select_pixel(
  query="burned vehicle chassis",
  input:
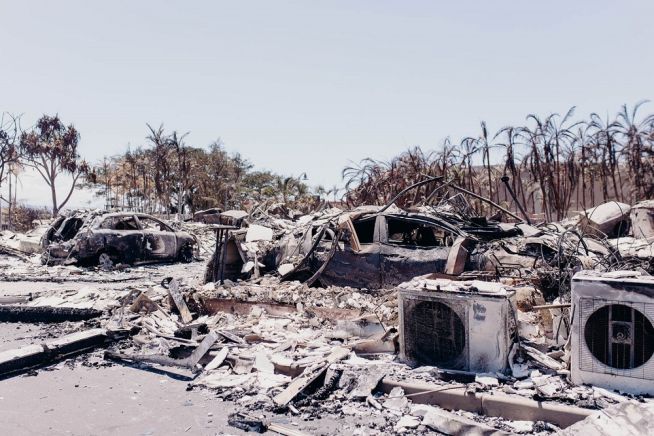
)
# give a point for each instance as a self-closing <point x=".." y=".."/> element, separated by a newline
<point x="109" y="239"/>
<point x="369" y="248"/>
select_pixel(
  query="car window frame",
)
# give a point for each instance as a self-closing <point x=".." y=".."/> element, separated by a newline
<point x="161" y="223"/>
<point x="117" y="217"/>
<point x="384" y="231"/>
<point x="374" y="229"/>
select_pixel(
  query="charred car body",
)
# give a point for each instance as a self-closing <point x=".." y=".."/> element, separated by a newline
<point x="90" y="238"/>
<point x="379" y="247"/>
<point x="368" y="247"/>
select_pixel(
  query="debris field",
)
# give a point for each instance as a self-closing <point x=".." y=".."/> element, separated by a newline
<point x="383" y="320"/>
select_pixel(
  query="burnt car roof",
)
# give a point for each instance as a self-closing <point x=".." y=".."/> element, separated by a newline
<point x="114" y="214"/>
<point x="436" y="218"/>
<point x="472" y="228"/>
<point x="127" y="214"/>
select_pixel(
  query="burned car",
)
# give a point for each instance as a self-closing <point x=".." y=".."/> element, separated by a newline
<point x="368" y="247"/>
<point x="107" y="239"/>
<point x="382" y="248"/>
<point x="377" y="247"/>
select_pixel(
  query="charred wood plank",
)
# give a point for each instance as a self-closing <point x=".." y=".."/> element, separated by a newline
<point x="204" y="346"/>
<point x="307" y="377"/>
<point x="34" y="355"/>
<point x="15" y="299"/>
<point x="46" y="314"/>
<point x="191" y="331"/>
<point x="178" y="299"/>
<point x="156" y="359"/>
<point x="191" y="362"/>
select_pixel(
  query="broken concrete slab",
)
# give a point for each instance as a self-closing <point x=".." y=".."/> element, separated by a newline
<point x="367" y="382"/>
<point x="285" y="268"/>
<point x="511" y="407"/>
<point x="611" y="218"/>
<point x="628" y="418"/>
<point x="642" y="219"/>
<point x="396" y="401"/>
<point x="449" y="423"/>
<point x="258" y="233"/>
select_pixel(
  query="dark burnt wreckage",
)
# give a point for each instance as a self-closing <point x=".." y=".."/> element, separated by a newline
<point x="375" y="247"/>
<point x="95" y="238"/>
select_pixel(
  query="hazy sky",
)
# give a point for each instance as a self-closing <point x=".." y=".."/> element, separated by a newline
<point x="300" y="86"/>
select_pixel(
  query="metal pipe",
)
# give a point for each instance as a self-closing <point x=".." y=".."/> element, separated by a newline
<point x="552" y="306"/>
<point x="405" y="190"/>
<point x="438" y="188"/>
<point x="492" y="203"/>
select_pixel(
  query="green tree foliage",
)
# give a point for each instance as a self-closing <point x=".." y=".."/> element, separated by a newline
<point x="51" y="149"/>
<point x="169" y="176"/>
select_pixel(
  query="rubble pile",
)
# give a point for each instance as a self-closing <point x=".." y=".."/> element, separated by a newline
<point x="203" y="233"/>
<point x="29" y="269"/>
<point x="306" y="353"/>
<point x="269" y="289"/>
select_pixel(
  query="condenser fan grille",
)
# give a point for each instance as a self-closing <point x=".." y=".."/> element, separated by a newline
<point x="619" y="336"/>
<point x="438" y="334"/>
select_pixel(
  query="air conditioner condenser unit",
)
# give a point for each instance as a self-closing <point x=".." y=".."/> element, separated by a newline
<point x="465" y="326"/>
<point x="612" y="340"/>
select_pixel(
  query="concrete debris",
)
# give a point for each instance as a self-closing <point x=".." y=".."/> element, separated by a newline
<point x="403" y="321"/>
<point x="258" y="233"/>
<point x="396" y="401"/>
<point x="486" y="380"/>
<point x="366" y="382"/>
<point x="451" y="424"/>
<point x="610" y="219"/>
<point x="628" y="418"/>
<point x="642" y="219"/>
<point x="406" y="422"/>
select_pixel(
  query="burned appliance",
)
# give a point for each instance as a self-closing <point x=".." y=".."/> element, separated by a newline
<point x="465" y="326"/>
<point x="612" y="330"/>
